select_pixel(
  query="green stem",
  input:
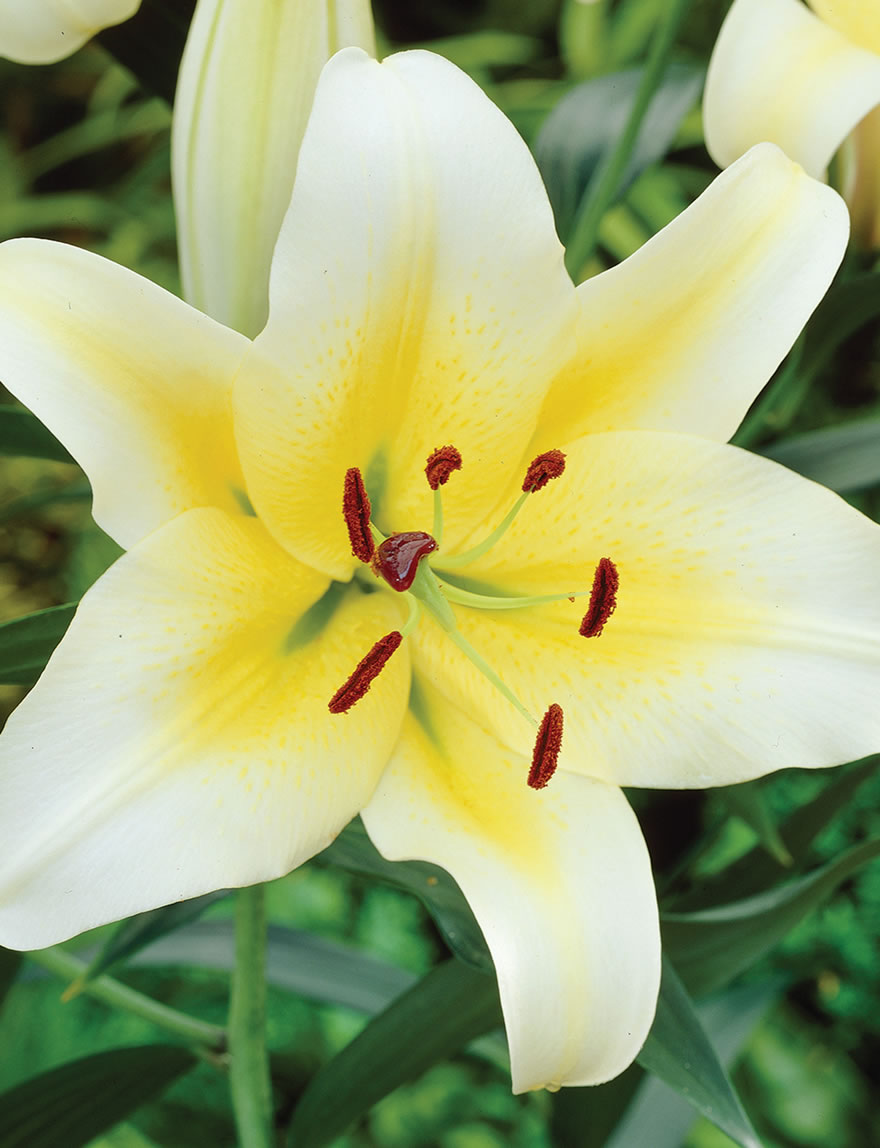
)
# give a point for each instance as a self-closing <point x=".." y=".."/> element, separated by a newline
<point x="112" y="992"/>
<point x="249" y="1058"/>
<point x="602" y="189"/>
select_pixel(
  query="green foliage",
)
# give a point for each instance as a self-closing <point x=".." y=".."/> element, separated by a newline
<point x="26" y="644"/>
<point x="70" y="1105"/>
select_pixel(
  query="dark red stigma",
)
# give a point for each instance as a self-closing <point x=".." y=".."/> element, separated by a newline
<point x="603" y="599"/>
<point x="367" y="669"/>
<point x="397" y="558"/>
<point x="541" y="469"/>
<point x="356" y="510"/>
<point x="442" y="462"/>
<point x="547" y="747"/>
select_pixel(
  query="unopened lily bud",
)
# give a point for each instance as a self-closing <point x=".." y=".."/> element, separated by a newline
<point x="247" y="81"/>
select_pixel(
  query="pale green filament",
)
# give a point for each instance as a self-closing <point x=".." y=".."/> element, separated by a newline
<point x="428" y="590"/>
<point x="486" y="545"/>
<point x="491" y="602"/>
<point x="437" y="530"/>
<point x="414" y="611"/>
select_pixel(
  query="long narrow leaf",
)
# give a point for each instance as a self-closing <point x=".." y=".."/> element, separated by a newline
<point x="441" y="896"/>
<point x="449" y="1007"/>
<point x="711" y="947"/>
<point x="757" y="871"/>
<point x="679" y="1052"/>
<point x="26" y="644"/>
<point x="22" y="434"/>
<point x="69" y="1106"/>
<point x="313" y="967"/>
<point x="135" y="934"/>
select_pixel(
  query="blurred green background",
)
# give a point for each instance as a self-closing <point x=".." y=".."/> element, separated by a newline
<point x="84" y="158"/>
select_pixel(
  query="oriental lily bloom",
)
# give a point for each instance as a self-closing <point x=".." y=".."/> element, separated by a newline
<point x="452" y="543"/>
<point x="43" y="31"/>
<point x="247" y="80"/>
<point x="807" y="79"/>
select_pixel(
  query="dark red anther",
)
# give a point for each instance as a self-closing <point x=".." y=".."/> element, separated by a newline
<point x="397" y="558"/>
<point x="603" y="599"/>
<point x="356" y="510"/>
<point x="547" y="747"/>
<point x="367" y="669"/>
<point x="541" y="469"/>
<point x="442" y="462"/>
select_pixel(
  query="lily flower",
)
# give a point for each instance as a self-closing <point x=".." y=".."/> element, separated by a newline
<point x="806" y="79"/>
<point x="44" y="31"/>
<point x="247" y="80"/>
<point x="451" y="543"/>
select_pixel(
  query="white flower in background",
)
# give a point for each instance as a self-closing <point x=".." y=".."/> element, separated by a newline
<point x="805" y="78"/>
<point x="43" y="31"/>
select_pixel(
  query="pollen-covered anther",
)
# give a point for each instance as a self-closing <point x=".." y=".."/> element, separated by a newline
<point x="356" y="510"/>
<point x="366" y="671"/>
<point x="603" y="599"/>
<point x="541" y="469"/>
<point x="547" y="746"/>
<point x="441" y="464"/>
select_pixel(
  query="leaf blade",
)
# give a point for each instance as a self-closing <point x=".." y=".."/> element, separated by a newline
<point x="27" y="643"/>
<point x="69" y="1106"/>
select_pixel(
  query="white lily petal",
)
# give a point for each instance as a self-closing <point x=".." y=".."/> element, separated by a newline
<point x="43" y="31"/>
<point x="246" y="86"/>
<point x="179" y="740"/>
<point x="779" y="73"/>
<point x="418" y="298"/>
<point x="858" y="20"/>
<point x="135" y="383"/>
<point x="559" y="880"/>
<point x="746" y="636"/>
<point x="684" y="334"/>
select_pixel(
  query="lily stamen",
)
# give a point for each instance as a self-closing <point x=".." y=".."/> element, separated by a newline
<point x="443" y="462"/>
<point x="603" y="599"/>
<point x="356" y="511"/>
<point x="547" y="746"/>
<point x="540" y="471"/>
<point x="365" y="673"/>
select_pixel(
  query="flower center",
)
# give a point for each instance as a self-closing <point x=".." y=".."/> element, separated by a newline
<point x="397" y="560"/>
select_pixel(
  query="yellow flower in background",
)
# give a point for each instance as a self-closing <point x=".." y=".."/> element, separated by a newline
<point x="448" y="523"/>
<point x="43" y="31"/>
<point x="805" y="78"/>
<point x="245" y="90"/>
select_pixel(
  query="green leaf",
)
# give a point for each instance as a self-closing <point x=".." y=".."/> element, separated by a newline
<point x="847" y="307"/>
<point x="438" y="892"/>
<point x="586" y="1117"/>
<point x="10" y="963"/>
<point x="712" y="946"/>
<point x="69" y="1106"/>
<point x="445" y="1010"/>
<point x="150" y="44"/>
<point x="843" y="458"/>
<point x="757" y="870"/>
<point x="26" y="644"/>
<point x="659" y="1116"/>
<point x="747" y="802"/>
<point x="585" y="124"/>
<point x="142" y="930"/>
<point x="22" y="434"/>
<point x="313" y="967"/>
<point x="679" y="1052"/>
